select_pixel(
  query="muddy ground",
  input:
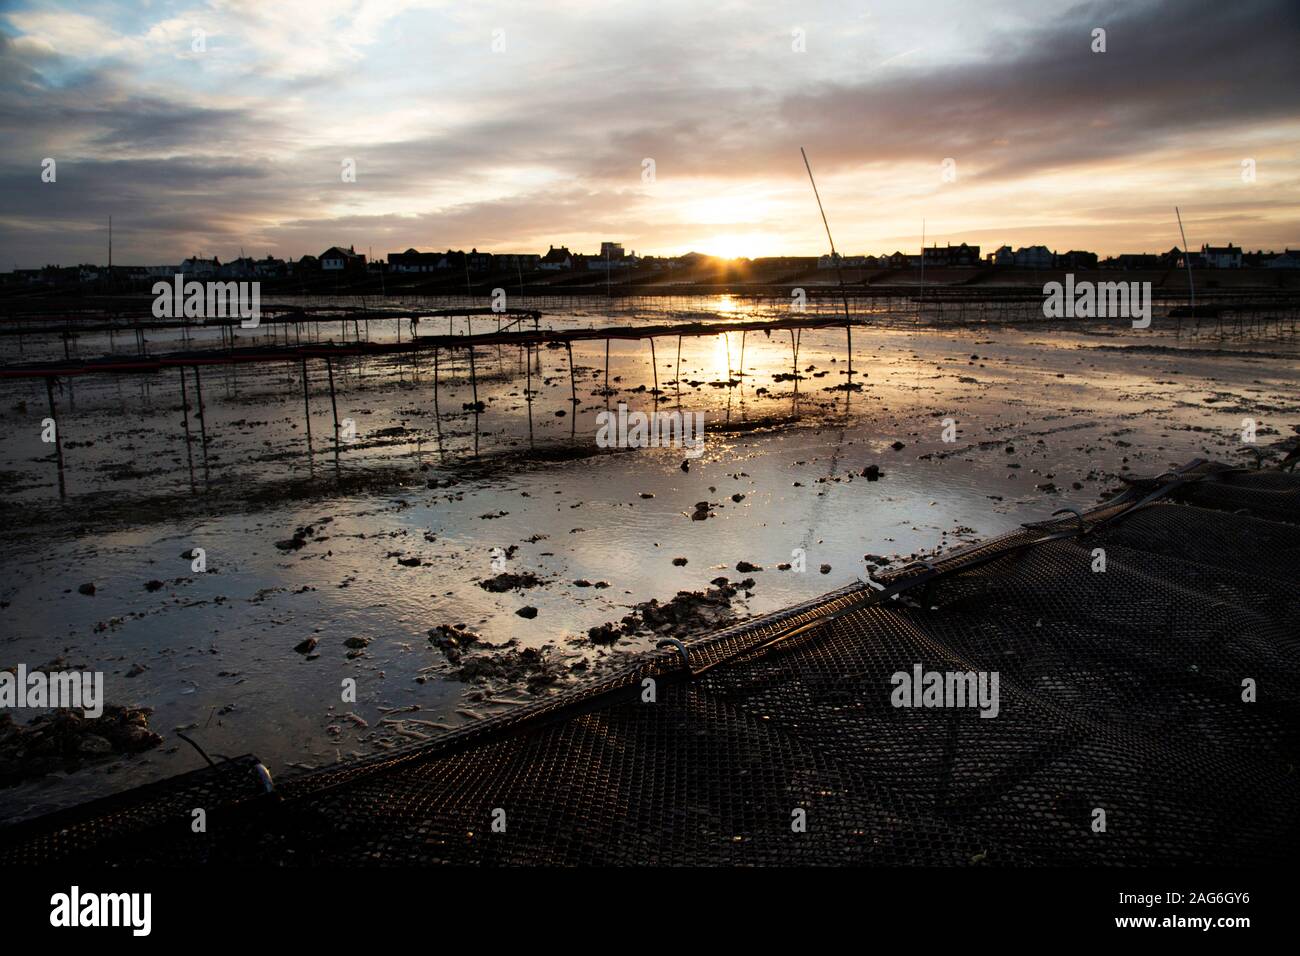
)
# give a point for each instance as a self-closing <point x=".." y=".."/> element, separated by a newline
<point x="455" y="563"/>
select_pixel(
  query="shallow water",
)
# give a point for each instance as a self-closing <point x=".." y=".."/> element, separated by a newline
<point x="217" y="648"/>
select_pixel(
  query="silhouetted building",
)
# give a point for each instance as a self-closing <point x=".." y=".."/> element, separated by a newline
<point x="338" y="259"/>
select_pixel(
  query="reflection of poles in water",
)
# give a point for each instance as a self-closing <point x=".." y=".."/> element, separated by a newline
<point x="678" y="377"/>
<point x="794" y="352"/>
<point x="437" y="414"/>
<point x="334" y="405"/>
<point x="573" y="392"/>
<point x="185" y="417"/>
<point x="58" y="439"/>
<point x="607" y="373"/>
<point x="654" y="367"/>
<point x="743" y="333"/>
<point x="203" y="425"/>
<point x="726" y="341"/>
<point x="473" y="377"/>
<point x="306" y="405"/>
<point x="528" y="390"/>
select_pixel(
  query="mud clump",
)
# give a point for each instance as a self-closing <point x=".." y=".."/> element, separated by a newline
<point x="509" y="581"/>
<point x="511" y="666"/>
<point x="687" y="614"/>
<point x="452" y="640"/>
<point x="298" y="541"/>
<point x="64" y="740"/>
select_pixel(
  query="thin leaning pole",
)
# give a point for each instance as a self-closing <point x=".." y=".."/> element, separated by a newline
<point x="839" y="272"/>
<point x="1187" y="261"/>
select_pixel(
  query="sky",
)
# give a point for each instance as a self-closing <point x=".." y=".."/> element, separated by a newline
<point x="211" y="128"/>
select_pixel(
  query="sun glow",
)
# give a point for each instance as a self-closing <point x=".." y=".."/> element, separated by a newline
<point x="734" y="245"/>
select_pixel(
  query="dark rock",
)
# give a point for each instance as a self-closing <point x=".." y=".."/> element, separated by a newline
<point x="509" y="581"/>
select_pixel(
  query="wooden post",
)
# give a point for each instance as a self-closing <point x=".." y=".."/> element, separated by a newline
<point x="654" y="366"/>
<point x="203" y="424"/>
<point x="679" y="365"/>
<point x="848" y="331"/>
<point x="329" y="368"/>
<point x="573" y="385"/>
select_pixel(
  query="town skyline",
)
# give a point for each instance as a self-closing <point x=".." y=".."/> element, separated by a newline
<point x="613" y="254"/>
<point x="219" y="125"/>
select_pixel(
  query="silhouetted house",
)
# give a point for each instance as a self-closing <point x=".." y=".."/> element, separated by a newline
<point x="338" y="259"/>
<point x="305" y="265"/>
<point x="1287" y="260"/>
<point x="270" y="268"/>
<point x="1033" y="257"/>
<point x="556" y="259"/>
<point x="412" y="261"/>
<point x="847" y="262"/>
<point x="1128" y="260"/>
<point x="241" y="268"/>
<point x="898" y="261"/>
<point x="194" y="266"/>
<point x="1002" y="256"/>
<point x="1076" y="259"/>
<point x="612" y="256"/>
<point x="1222" y="257"/>
<point x="479" y="261"/>
<point x="515" y="261"/>
<point x="763" y="263"/>
<point x="951" y="255"/>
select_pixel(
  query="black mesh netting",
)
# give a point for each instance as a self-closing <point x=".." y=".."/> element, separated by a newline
<point x="1120" y="690"/>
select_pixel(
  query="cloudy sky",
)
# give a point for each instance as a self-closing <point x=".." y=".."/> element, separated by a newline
<point x="509" y="126"/>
